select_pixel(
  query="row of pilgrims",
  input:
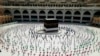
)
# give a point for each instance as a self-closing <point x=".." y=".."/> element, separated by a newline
<point x="83" y="51"/>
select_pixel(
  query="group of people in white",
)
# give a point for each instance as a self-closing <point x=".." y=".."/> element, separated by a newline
<point x="70" y="40"/>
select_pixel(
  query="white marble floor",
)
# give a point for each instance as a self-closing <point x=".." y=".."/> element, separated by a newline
<point x="71" y="40"/>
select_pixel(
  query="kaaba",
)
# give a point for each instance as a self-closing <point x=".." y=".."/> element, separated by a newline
<point x="50" y="25"/>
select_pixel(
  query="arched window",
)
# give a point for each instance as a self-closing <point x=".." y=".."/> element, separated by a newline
<point x="42" y="16"/>
<point x="25" y="12"/>
<point x="76" y="17"/>
<point x="50" y="12"/>
<point x="34" y="16"/>
<point x="33" y="12"/>
<point x="7" y="12"/>
<point x="42" y="12"/>
<point x="87" y="13"/>
<point x="59" y="12"/>
<point x="17" y="16"/>
<point x="68" y="12"/>
<point x="16" y="12"/>
<point x="86" y="17"/>
<point x="77" y="13"/>
<point x="68" y="16"/>
<point x="59" y="16"/>
<point x="97" y="13"/>
<point x="25" y="17"/>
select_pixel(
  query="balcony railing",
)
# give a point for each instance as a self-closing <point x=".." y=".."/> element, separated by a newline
<point x="51" y="5"/>
<point x="45" y="3"/>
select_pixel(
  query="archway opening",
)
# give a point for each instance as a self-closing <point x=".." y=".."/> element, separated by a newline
<point x="34" y="17"/>
<point x="7" y="12"/>
<point x="42" y="16"/>
<point x="86" y="17"/>
<point x="42" y="12"/>
<point x="87" y="13"/>
<point x="96" y="18"/>
<point x="33" y="12"/>
<point x="68" y="16"/>
<point x="25" y="12"/>
<point x="25" y="16"/>
<point x="51" y="14"/>
<point x="59" y="16"/>
<point x="97" y="14"/>
<point x="77" y="17"/>
<point x="17" y="16"/>
<point x="16" y="12"/>
<point x="77" y="13"/>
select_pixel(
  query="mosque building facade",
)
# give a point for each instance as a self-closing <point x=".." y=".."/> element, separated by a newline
<point x="74" y="11"/>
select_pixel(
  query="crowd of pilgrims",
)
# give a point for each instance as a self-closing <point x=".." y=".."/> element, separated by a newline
<point x="70" y="40"/>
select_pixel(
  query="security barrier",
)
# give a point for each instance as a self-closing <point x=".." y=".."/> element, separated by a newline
<point x="5" y="19"/>
<point x="96" y="20"/>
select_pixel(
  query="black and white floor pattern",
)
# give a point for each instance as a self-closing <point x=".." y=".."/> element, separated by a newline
<point x="70" y="40"/>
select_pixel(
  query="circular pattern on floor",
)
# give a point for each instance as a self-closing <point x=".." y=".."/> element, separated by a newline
<point x="69" y="40"/>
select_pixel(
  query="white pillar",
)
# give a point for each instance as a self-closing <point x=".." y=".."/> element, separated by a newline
<point x="46" y="13"/>
<point x="55" y="13"/>
<point x="63" y="15"/>
<point x="38" y="15"/>
<point x="72" y="16"/>
<point x="29" y="15"/>
<point x="12" y="14"/>
<point x="21" y="11"/>
<point x="81" y="16"/>
<point x="92" y="14"/>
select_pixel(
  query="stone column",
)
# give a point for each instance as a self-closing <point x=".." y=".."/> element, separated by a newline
<point x="92" y="15"/>
<point x="12" y="14"/>
<point x="21" y="14"/>
<point x="72" y="15"/>
<point x="46" y="13"/>
<point x="55" y="11"/>
<point x="29" y="15"/>
<point x="38" y="15"/>
<point x="64" y="15"/>
<point x="81" y="16"/>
